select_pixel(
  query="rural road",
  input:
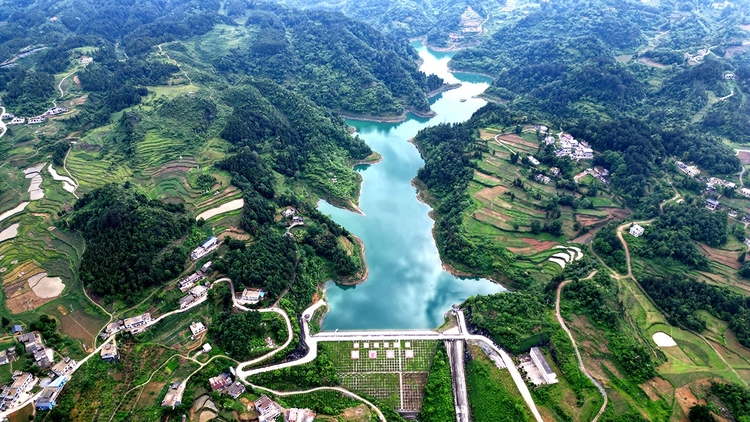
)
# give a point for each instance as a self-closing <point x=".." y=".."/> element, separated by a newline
<point x="575" y="347"/>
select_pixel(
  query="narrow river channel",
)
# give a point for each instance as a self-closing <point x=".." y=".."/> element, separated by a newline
<point x="407" y="286"/>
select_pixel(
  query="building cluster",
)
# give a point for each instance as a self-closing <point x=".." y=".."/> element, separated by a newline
<point x="269" y="411"/>
<point x="223" y="384"/>
<point x="299" y="415"/>
<point x="570" y="147"/>
<point x="196" y="295"/>
<point x="713" y="182"/>
<point x="691" y="171"/>
<point x="188" y="282"/>
<point x="44" y="357"/>
<point x="208" y="246"/>
<point x="542" y="178"/>
<point x="133" y="325"/>
<point x="291" y="214"/>
<point x="54" y="111"/>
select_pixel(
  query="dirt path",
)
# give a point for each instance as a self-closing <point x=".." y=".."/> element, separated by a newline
<point x="339" y="389"/>
<point x="560" y="319"/>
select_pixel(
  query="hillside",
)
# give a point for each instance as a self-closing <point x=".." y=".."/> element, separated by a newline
<point x="444" y="23"/>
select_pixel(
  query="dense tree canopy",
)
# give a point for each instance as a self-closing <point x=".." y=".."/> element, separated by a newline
<point x="126" y="235"/>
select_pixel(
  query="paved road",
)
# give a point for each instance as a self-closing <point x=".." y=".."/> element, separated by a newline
<point x="458" y="378"/>
<point x="312" y="345"/>
<point x="2" y="124"/>
<point x="575" y="347"/>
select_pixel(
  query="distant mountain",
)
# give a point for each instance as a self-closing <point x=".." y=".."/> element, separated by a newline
<point x="440" y="21"/>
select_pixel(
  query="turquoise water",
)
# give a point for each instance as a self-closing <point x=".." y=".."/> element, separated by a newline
<point x="407" y="286"/>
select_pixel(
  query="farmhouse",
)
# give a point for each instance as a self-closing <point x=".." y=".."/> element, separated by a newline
<point x="554" y="171"/>
<point x="540" y="362"/>
<point x="745" y="191"/>
<point x="36" y="120"/>
<point x="220" y="381"/>
<point x="22" y="382"/>
<point x="533" y="161"/>
<point x="206" y="267"/>
<point x="7" y="356"/>
<point x="86" y="60"/>
<point x="712" y="204"/>
<point x="251" y="296"/>
<point x="186" y="283"/>
<point x="47" y="400"/>
<point x="7" y="116"/>
<point x="691" y="171"/>
<point x="235" y="389"/>
<point x="196" y="295"/>
<point x="549" y="140"/>
<point x="17" y="329"/>
<point x="206" y="347"/>
<point x="267" y="410"/>
<point x="542" y="178"/>
<point x="55" y="111"/>
<point x="197" y="328"/>
<point x="63" y="367"/>
<point x="17" y="121"/>
<point x="112" y="328"/>
<point x="299" y="415"/>
<point x="210" y="245"/>
<point x="636" y="230"/>
<point x="109" y="352"/>
<point x="173" y="397"/>
<point x="138" y="323"/>
<point x="289" y="212"/>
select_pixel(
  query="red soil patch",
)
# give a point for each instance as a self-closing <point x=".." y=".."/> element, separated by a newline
<point x="517" y="140"/>
<point x="234" y="233"/>
<point x="491" y="193"/>
<point x="727" y="258"/>
<point x="744" y="157"/>
<point x="77" y="81"/>
<point x="539" y="245"/>
<point x="651" y="63"/>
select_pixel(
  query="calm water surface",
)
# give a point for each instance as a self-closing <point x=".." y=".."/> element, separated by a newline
<point x="407" y="287"/>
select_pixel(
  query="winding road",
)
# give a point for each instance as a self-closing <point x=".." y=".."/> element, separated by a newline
<point x="575" y="347"/>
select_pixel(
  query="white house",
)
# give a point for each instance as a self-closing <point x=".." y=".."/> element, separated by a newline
<point x="197" y="328"/>
<point x="532" y="160"/>
<point x="251" y="296"/>
<point x="636" y="230"/>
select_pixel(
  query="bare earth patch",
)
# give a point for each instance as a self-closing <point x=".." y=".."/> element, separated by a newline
<point x="46" y="287"/>
<point x="663" y="339"/>
<point x="539" y="245"/>
<point x="744" y="157"/>
<point x="234" y="233"/>
<point x="727" y="258"/>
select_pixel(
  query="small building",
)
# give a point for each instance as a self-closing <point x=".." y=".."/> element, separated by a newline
<point x="235" y="390"/>
<point x="109" y="352"/>
<point x="55" y="111"/>
<point x="207" y="267"/>
<point x="7" y="116"/>
<point x="554" y="171"/>
<point x="197" y="328"/>
<point x="298" y="219"/>
<point x="220" y="381"/>
<point x="541" y="128"/>
<point x="540" y="362"/>
<point x="208" y="246"/>
<point x="206" y="348"/>
<point x="542" y="178"/>
<point x="289" y="212"/>
<point x="173" y="398"/>
<point x="112" y="328"/>
<point x="299" y="415"/>
<point x="636" y="230"/>
<point x="7" y="356"/>
<point x="17" y="329"/>
<point x="267" y="409"/>
<point x="17" y="121"/>
<point x="251" y="296"/>
<point x="745" y="191"/>
<point x="36" y="120"/>
<point x="533" y="161"/>
<point x="86" y="60"/>
<point x="549" y="140"/>
<point x="47" y="400"/>
<point x="63" y="367"/>
<point x="712" y="204"/>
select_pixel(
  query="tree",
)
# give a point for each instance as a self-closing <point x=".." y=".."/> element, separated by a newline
<point x="701" y="413"/>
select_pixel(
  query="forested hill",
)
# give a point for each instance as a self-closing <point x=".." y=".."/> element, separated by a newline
<point x="413" y="18"/>
<point x="336" y="62"/>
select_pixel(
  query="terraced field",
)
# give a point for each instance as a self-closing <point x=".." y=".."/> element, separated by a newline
<point x="92" y="170"/>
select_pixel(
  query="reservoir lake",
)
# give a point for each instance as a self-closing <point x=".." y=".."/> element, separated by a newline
<point x="407" y="287"/>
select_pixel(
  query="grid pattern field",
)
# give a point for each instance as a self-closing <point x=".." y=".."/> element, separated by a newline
<point x="393" y="371"/>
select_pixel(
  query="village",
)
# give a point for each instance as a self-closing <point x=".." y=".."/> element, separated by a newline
<point x="54" y="111"/>
<point x="715" y="189"/>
